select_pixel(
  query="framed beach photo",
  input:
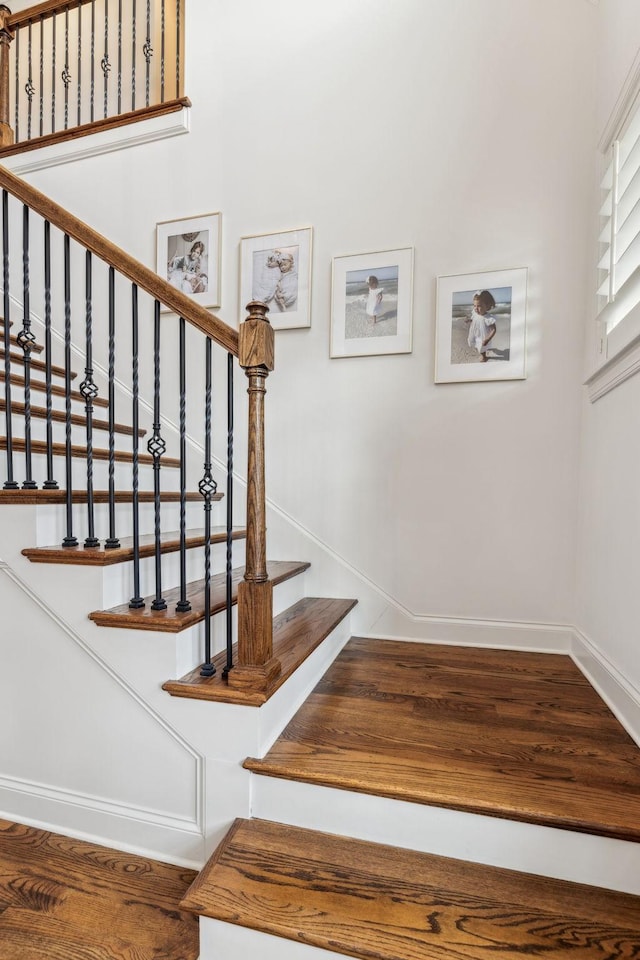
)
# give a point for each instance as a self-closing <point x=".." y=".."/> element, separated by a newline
<point x="371" y="303"/>
<point x="188" y="256"/>
<point x="276" y="269"/>
<point x="480" y="326"/>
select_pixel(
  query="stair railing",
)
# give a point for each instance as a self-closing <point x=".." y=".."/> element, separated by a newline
<point x="40" y="238"/>
<point x="74" y="67"/>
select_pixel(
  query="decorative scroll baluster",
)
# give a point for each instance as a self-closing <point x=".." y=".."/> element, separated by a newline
<point x="89" y="391"/>
<point x="10" y="483"/>
<point x="66" y="75"/>
<point x="207" y="488"/>
<point x="92" y="94"/>
<point x="162" y="46"/>
<point x="54" y="78"/>
<point x="229" y="499"/>
<point x="136" y="602"/>
<point x="105" y="63"/>
<point x="41" y="127"/>
<point x="134" y="41"/>
<point x="26" y="340"/>
<point x="29" y="88"/>
<point x="112" y="541"/>
<point x="183" y="605"/>
<point x="156" y="447"/>
<point x="148" y="53"/>
<point x="69" y="540"/>
<point x="79" y="99"/>
<point x="119" y="56"/>
<point x="50" y="483"/>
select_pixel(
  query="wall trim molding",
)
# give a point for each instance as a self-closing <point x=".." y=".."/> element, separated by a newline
<point x="622" y="697"/>
<point x="615" y="371"/>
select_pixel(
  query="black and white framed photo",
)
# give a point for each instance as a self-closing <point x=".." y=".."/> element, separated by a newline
<point x="276" y="269"/>
<point x="481" y="326"/>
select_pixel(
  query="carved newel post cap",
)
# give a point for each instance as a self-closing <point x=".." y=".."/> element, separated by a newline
<point x="256" y="338"/>
<point x="257" y="310"/>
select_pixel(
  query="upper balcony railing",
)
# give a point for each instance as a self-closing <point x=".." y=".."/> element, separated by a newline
<point x="73" y="67"/>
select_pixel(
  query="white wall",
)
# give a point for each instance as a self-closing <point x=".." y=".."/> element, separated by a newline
<point x="454" y="126"/>
<point x="608" y="600"/>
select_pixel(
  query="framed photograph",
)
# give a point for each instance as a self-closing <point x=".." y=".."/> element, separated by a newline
<point x="276" y="268"/>
<point x="480" y="326"/>
<point x="371" y="303"/>
<point x="188" y="256"/>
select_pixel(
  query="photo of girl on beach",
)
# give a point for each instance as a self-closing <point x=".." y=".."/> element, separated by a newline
<point x="481" y="325"/>
<point x="371" y="308"/>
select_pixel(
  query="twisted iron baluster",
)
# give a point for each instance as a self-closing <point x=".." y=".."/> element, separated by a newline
<point x="229" y="497"/>
<point x="16" y="122"/>
<point x="105" y="63"/>
<point x="112" y="541"/>
<point x="66" y="75"/>
<point x="89" y="391"/>
<point x="79" y="100"/>
<point x="10" y="483"/>
<point x="136" y="601"/>
<point x="207" y="488"/>
<point x="29" y="88"/>
<point x="119" y="56"/>
<point x="178" y="42"/>
<point x="93" y="59"/>
<point x="162" y="45"/>
<point x="69" y="540"/>
<point x="50" y="483"/>
<point x="183" y="605"/>
<point x="26" y="340"/>
<point x="148" y="53"/>
<point x="156" y="447"/>
<point x="41" y="76"/>
<point x="54" y="23"/>
<point x="134" y="40"/>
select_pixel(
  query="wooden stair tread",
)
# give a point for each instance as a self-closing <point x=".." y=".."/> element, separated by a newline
<point x="57" y="389"/>
<point x="296" y="634"/>
<point x="524" y="759"/>
<point x="99" y="453"/>
<point x="29" y="497"/>
<point x="36" y="348"/>
<point x="375" y="901"/>
<point x="79" y="419"/>
<point x="170" y="620"/>
<point x="101" y="557"/>
<point x="35" y="364"/>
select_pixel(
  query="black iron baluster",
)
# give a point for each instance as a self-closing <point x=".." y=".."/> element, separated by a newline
<point x="93" y="59"/>
<point x="112" y="541"/>
<point x="89" y="391"/>
<point x="41" y="76"/>
<point x="136" y="601"/>
<point x="162" y="45"/>
<point x="178" y="42"/>
<point x="229" y="498"/>
<point x="16" y="122"/>
<point x="26" y="340"/>
<point x="183" y="605"/>
<point x="50" y="483"/>
<point x="29" y="88"/>
<point x="54" y="78"/>
<point x="66" y="75"/>
<point x="119" y="57"/>
<point x="148" y="53"/>
<point x="207" y="488"/>
<point x="79" y="100"/>
<point x="156" y="447"/>
<point x="10" y="483"/>
<point x="133" y="55"/>
<point x="105" y="63"/>
<point x="69" y="540"/>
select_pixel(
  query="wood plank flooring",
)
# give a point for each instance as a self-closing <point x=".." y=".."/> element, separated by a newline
<point x="516" y="735"/>
<point x="373" y="901"/>
<point x="64" y="899"/>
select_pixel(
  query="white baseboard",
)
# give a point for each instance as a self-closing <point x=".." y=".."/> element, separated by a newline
<point x="141" y="832"/>
<point x="622" y="698"/>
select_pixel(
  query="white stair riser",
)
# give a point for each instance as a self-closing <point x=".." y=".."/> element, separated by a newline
<point x="228" y="940"/>
<point x="547" y="851"/>
<point x="123" y="472"/>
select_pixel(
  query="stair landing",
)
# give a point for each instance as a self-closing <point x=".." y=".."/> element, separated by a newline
<point x="368" y="900"/>
<point x="520" y="736"/>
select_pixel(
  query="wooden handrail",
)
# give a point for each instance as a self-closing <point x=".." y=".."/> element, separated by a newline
<point x="41" y="11"/>
<point x="125" y="264"/>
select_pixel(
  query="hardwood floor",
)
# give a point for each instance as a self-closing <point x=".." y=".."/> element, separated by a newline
<point x="516" y="735"/>
<point x="64" y="899"/>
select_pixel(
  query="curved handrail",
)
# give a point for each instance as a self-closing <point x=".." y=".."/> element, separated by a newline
<point x="125" y="264"/>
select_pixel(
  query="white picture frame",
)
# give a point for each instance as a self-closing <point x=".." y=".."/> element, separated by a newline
<point x="275" y="268"/>
<point x="188" y="256"/>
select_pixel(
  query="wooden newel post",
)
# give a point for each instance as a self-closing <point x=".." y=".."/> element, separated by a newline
<point x="256" y="666"/>
<point x="6" y="132"/>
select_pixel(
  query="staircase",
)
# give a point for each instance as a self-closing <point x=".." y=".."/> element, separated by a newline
<point x="387" y="799"/>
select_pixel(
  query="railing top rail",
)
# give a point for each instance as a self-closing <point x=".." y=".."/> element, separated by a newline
<point x="40" y="11"/>
<point x="131" y="268"/>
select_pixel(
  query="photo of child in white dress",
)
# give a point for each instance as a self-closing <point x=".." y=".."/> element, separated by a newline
<point x="481" y="325"/>
<point x="371" y="308"/>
